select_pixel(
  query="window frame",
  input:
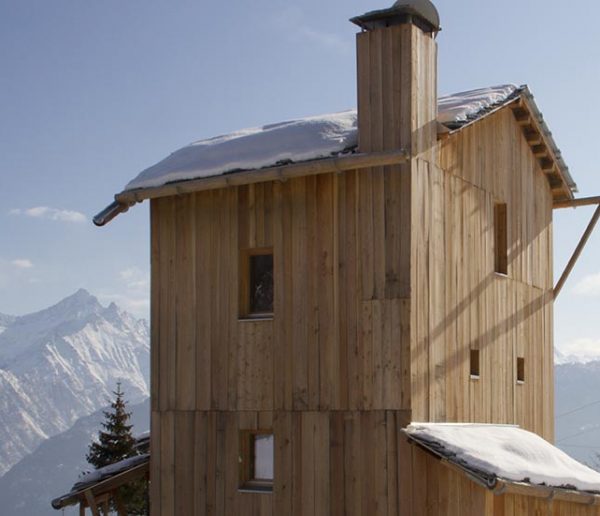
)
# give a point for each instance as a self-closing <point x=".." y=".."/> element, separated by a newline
<point x="247" y="462"/>
<point x="245" y="305"/>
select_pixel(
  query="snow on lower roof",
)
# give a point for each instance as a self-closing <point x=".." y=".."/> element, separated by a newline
<point x="507" y="453"/>
<point x="94" y="478"/>
<point x="97" y="475"/>
<point x="297" y="140"/>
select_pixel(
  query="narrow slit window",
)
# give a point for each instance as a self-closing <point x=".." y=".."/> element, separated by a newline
<point x="474" y="362"/>
<point x="520" y="369"/>
<point x="257" y="283"/>
<point x="256" y="460"/>
<point x="501" y="238"/>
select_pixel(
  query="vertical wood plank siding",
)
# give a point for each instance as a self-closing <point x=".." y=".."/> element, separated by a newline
<point x="207" y="358"/>
<point x="346" y="337"/>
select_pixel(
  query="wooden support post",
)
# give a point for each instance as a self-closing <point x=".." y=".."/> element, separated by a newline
<point x="121" y="511"/>
<point x="577" y="252"/>
<point x="81" y="509"/>
<point x="89" y="497"/>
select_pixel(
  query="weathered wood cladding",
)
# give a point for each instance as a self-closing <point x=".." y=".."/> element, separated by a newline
<point x="384" y="281"/>
<point x="460" y="303"/>
<point x="397" y="90"/>
<point x="339" y="336"/>
<point x="326" y="463"/>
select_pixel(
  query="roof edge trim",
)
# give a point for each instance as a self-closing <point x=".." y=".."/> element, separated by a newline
<point x="282" y="173"/>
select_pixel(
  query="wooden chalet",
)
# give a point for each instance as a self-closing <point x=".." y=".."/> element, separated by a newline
<point x="306" y="311"/>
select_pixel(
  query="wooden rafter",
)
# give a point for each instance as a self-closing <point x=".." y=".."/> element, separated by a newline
<point x="540" y="144"/>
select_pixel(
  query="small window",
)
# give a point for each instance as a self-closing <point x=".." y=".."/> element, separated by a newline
<point x="520" y="369"/>
<point x="474" y="361"/>
<point x="500" y="239"/>
<point x="256" y="275"/>
<point x="256" y="460"/>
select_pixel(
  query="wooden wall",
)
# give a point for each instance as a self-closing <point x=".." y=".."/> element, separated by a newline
<point x="339" y="336"/>
<point x="327" y="463"/>
<point x="384" y="280"/>
<point x="460" y="303"/>
<point x="322" y="370"/>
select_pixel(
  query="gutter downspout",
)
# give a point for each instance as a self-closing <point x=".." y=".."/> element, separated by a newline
<point x="110" y="212"/>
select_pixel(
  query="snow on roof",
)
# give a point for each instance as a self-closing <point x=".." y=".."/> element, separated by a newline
<point x="505" y="452"/>
<point x="99" y="478"/>
<point x="459" y="108"/>
<point x="297" y="140"/>
<point x="97" y="475"/>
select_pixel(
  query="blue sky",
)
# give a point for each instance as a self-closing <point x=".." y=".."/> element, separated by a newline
<point x="91" y="93"/>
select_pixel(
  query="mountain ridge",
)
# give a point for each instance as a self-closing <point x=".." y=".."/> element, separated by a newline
<point x="62" y="363"/>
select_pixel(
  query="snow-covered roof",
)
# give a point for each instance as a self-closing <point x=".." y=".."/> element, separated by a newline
<point x="96" y="478"/>
<point x="505" y="453"/>
<point x="97" y="475"/>
<point x="298" y="140"/>
<point x="308" y="142"/>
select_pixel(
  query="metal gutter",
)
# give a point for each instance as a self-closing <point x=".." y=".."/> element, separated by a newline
<point x="110" y="212"/>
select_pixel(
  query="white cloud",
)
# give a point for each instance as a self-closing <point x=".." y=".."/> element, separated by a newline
<point x="580" y="350"/>
<point x="135" y="278"/>
<point x="132" y="293"/>
<point x="588" y="286"/>
<point x="22" y="263"/>
<point x="45" y="212"/>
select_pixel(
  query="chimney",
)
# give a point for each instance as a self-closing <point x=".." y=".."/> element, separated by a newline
<point x="397" y="78"/>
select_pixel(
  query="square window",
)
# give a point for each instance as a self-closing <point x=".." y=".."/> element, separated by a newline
<point x="256" y="460"/>
<point x="256" y="283"/>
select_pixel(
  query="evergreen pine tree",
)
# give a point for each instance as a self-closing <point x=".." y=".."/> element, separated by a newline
<point x="116" y="443"/>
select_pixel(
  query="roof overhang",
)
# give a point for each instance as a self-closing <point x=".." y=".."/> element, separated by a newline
<point x="538" y="137"/>
<point x="520" y="101"/>
<point x="124" y="200"/>
<point x="104" y="486"/>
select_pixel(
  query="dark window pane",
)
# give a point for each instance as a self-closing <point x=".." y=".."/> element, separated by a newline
<point x="261" y="283"/>
<point x="501" y="238"/>
<point x="520" y="369"/>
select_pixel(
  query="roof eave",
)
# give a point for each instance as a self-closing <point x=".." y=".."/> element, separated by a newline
<point x="282" y="173"/>
<point x="103" y="486"/>
<point x="538" y="136"/>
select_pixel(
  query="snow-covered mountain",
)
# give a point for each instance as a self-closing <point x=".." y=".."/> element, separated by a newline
<point x="63" y="363"/>
<point x="577" y="409"/>
<point x="5" y="321"/>
<point x="53" y="468"/>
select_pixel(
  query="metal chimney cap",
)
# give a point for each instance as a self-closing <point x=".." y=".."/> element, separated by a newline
<point x="420" y="12"/>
